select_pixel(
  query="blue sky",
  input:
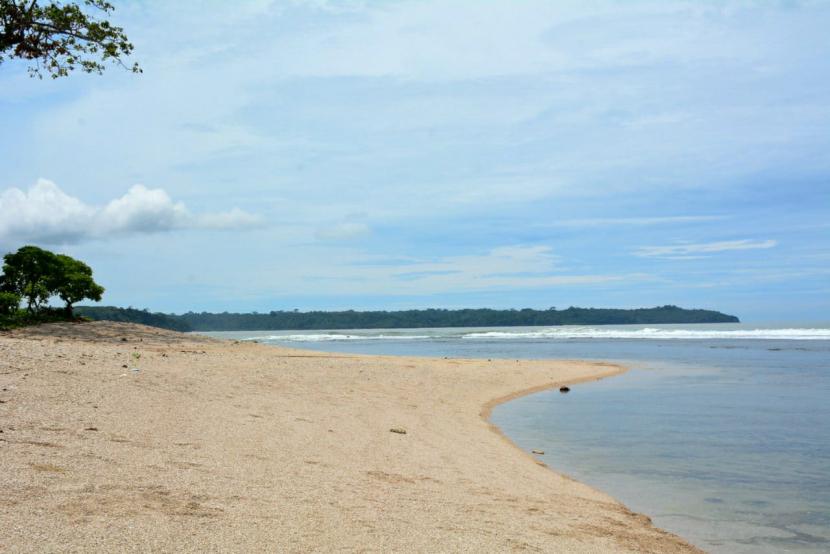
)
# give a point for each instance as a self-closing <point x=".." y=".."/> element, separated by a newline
<point x="280" y="155"/>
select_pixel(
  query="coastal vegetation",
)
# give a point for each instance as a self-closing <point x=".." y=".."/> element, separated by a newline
<point x="351" y="319"/>
<point x="32" y="277"/>
<point x="133" y="315"/>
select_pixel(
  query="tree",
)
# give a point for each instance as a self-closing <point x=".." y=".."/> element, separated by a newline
<point x="74" y="282"/>
<point x="59" y="37"/>
<point x="36" y="275"/>
<point x="29" y="273"/>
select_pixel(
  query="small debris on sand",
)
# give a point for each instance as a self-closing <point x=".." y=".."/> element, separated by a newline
<point x="398" y="430"/>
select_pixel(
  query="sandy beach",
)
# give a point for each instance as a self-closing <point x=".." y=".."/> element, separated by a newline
<point x="216" y="446"/>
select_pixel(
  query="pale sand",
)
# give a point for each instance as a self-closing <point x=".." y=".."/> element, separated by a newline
<point x="221" y="447"/>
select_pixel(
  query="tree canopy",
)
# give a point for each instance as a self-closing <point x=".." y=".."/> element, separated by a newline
<point x="35" y="275"/>
<point x="59" y="37"/>
<point x="74" y="282"/>
<point x="30" y="273"/>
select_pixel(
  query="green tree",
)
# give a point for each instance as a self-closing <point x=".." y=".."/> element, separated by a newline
<point x="73" y="283"/>
<point x="29" y="273"/>
<point x="36" y="275"/>
<point x="59" y="37"/>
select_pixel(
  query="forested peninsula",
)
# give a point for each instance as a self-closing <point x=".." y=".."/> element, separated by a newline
<point x="351" y="319"/>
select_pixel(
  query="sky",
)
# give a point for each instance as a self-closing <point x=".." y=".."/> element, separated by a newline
<point x="393" y="155"/>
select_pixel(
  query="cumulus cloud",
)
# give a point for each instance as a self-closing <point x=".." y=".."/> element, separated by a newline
<point x="46" y="214"/>
<point x="694" y="250"/>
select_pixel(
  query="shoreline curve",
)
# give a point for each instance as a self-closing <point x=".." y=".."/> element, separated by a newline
<point x="215" y="445"/>
<point x="487" y="408"/>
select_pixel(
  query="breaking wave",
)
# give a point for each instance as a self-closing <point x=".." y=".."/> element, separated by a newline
<point x="326" y="337"/>
<point x="655" y="334"/>
<point x="561" y="333"/>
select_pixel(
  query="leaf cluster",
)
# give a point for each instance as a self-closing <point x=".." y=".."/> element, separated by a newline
<point x="59" y="37"/>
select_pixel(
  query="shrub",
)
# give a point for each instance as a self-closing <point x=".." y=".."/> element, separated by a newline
<point x="9" y="303"/>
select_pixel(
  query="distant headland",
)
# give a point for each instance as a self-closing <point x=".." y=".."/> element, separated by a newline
<point x="351" y="319"/>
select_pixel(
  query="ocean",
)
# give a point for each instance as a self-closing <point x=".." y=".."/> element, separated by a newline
<point x="720" y="432"/>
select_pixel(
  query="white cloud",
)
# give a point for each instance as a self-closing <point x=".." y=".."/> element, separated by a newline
<point x="141" y="210"/>
<point x="46" y="214"/>
<point x="691" y="250"/>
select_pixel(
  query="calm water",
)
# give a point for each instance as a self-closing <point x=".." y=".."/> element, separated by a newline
<point x="721" y="433"/>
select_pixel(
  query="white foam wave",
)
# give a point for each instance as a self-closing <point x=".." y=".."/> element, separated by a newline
<point x="655" y="334"/>
<point x="326" y="337"/>
<point x="564" y="333"/>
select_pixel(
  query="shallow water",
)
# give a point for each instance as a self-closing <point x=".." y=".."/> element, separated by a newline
<point x="721" y="433"/>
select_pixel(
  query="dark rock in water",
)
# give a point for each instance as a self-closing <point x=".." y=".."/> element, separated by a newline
<point x="563" y="390"/>
<point x="539" y="452"/>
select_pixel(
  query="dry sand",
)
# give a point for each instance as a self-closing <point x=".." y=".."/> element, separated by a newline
<point x="238" y="447"/>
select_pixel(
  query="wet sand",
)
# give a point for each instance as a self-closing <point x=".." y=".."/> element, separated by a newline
<point x="219" y="446"/>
